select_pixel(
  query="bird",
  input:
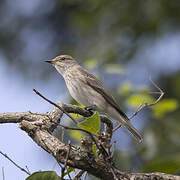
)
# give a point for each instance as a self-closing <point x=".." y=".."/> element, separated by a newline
<point x="89" y="91"/>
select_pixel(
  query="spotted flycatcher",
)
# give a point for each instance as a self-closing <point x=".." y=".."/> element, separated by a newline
<point x="86" y="89"/>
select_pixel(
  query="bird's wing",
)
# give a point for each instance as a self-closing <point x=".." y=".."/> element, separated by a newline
<point x="97" y="85"/>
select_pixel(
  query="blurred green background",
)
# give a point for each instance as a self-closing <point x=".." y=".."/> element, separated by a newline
<point x="122" y="42"/>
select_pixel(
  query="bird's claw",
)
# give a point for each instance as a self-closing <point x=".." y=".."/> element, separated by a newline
<point x="91" y="109"/>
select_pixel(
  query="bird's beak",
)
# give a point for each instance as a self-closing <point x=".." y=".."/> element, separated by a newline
<point x="51" y="62"/>
<point x="48" y="62"/>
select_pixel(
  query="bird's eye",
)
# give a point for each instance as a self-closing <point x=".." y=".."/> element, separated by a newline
<point x="63" y="58"/>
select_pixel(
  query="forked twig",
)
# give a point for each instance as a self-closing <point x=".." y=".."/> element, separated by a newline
<point x="144" y="104"/>
<point x="28" y="169"/>
<point x="19" y="167"/>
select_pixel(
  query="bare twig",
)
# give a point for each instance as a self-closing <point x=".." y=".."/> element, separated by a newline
<point x="22" y="169"/>
<point x="39" y="94"/>
<point x="60" y="165"/>
<point x="65" y="163"/>
<point x="78" y="175"/>
<point x="3" y="173"/>
<point x="62" y="172"/>
<point x="28" y="169"/>
<point x="161" y="92"/>
<point x="144" y="104"/>
<point x="140" y="108"/>
<point x="85" y="175"/>
<point x="113" y="149"/>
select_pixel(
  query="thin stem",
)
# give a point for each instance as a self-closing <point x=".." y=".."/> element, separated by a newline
<point x="113" y="149"/>
<point x="65" y="164"/>
<point x="22" y="169"/>
<point x="3" y="173"/>
<point x="144" y="104"/>
<point x="39" y="94"/>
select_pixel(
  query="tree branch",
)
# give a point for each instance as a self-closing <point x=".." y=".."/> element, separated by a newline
<point x="40" y="127"/>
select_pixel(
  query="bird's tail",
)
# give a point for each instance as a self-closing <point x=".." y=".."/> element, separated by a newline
<point x="116" y="113"/>
<point x="132" y="130"/>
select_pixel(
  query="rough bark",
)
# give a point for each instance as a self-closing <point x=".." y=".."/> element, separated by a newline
<point x="40" y="127"/>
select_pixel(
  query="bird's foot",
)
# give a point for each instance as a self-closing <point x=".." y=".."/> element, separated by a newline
<point x="91" y="109"/>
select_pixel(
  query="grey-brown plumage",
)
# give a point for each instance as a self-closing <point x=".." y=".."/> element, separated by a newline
<point x="88" y="90"/>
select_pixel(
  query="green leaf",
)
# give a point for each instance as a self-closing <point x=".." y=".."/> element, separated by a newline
<point x="73" y="101"/>
<point x="135" y="100"/>
<point x="43" y="175"/>
<point x="69" y="170"/>
<point x="76" y="135"/>
<point x="165" y="106"/>
<point x="91" y="124"/>
<point x="74" y="115"/>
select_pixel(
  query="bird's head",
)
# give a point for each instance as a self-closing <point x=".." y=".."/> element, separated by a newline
<point x="62" y="63"/>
